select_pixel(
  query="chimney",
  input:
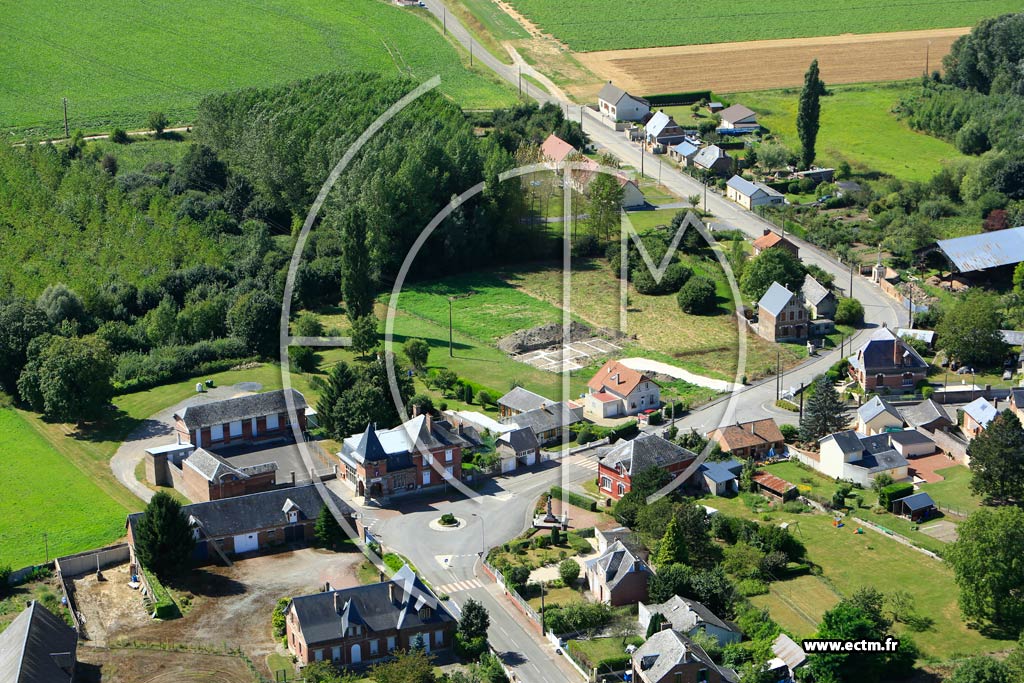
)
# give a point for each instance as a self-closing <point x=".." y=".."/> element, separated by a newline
<point x="767" y="231"/>
<point x="338" y="606"/>
<point x="394" y="594"/>
<point x="430" y="423"/>
<point x="415" y="410"/>
<point x="382" y="577"/>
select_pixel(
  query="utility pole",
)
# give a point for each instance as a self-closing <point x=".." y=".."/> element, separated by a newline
<point x="470" y="52"/>
<point x="642" y="159"/>
<point x="67" y="133"/>
<point x="444" y="20"/>
<point x="543" y="629"/>
<point x="520" y="81"/>
<point x="778" y="365"/>
<point x="801" y="401"/>
<point x="451" y="353"/>
<point x="851" y="277"/>
<point x="927" y="51"/>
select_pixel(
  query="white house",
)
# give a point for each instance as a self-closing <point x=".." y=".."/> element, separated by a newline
<point x="616" y="391"/>
<point x="748" y="194"/>
<point x="878" y="416"/>
<point x="619" y="105"/>
<point x="739" y="119"/>
<point x="632" y="197"/>
<point x="854" y="457"/>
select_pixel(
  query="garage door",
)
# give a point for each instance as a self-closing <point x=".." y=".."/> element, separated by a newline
<point x="217" y="433"/>
<point x="246" y="542"/>
<point x="508" y="465"/>
<point x="236" y="429"/>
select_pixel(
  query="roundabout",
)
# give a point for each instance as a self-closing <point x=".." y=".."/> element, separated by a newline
<point x="447" y="522"/>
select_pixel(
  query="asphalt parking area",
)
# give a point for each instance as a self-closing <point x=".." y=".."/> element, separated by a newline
<point x="285" y="454"/>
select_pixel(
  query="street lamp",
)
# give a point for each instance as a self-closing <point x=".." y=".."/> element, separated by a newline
<point x="483" y="543"/>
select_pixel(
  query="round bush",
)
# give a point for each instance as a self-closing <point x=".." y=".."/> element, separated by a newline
<point x="697" y="296"/>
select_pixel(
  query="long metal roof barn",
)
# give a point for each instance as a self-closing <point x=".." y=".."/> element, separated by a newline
<point x="986" y="250"/>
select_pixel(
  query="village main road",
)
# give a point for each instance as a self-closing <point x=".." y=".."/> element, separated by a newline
<point x="756" y="400"/>
<point x="451" y="559"/>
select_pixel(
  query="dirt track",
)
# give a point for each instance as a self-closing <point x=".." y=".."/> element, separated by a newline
<point x="766" y="64"/>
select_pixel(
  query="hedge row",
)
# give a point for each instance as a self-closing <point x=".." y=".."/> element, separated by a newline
<point x="678" y="98"/>
<point x="574" y="498"/>
<point x="164" y="606"/>
<point x="893" y="492"/>
<point x="137" y="371"/>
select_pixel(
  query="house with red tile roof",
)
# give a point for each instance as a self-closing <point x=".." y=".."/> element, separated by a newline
<point x="771" y="239"/>
<point x="754" y="439"/>
<point x="617" y="391"/>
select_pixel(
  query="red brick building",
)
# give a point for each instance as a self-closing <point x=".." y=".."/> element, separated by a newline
<point x="417" y="454"/>
<point x="618" y="577"/>
<point x="754" y="439"/>
<point x="356" y="627"/>
<point x="243" y="419"/>
<point x="886" y="362"/>
<point x="617" y="467"/>
<point x="773" y="240"/>
<point x="781" y="315"/>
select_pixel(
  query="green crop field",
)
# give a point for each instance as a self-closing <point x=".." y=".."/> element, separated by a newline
<point x="41" y="492"/>
<point x="589" y="25"/>
<point x="858" y="125"/>
<point x="115" y="61"/>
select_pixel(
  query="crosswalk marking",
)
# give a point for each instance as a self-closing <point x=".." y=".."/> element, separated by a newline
<point x="457" y="586"/>
<point x="586" y="464"/>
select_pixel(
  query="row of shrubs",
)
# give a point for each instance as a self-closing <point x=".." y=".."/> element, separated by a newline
<point x="164" y="606"/>
<point x="574" y="498"/>
<point x="137" y="371"/>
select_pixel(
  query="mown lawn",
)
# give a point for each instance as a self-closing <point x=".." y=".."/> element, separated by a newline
<point x="42" y="492"/>
<point x="954" y="491"/>
<point x="858" y="125"/>
<point x="116" y="61"/>
<point x="597" y="649"/>
<point x="798" y="604"/>
<point x="850" y="561"/>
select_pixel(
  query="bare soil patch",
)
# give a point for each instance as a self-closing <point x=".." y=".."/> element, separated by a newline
<point x="230" y="606"/>
<point x="123" y="665"/>
<point x="767" y="64"/>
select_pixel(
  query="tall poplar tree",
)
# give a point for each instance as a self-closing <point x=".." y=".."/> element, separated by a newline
<point x="809" y="113"/>
<point x="356" y="281"/>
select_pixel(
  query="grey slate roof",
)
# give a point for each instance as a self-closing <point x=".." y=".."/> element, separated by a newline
<point x="521" y="400"/>
<point x="875" y="407"/>
<point x="927" y="336"/>
<point x="686" y="149"/>
<point x="520" y="440"/>
<point x="917" y="501"/>
<point x="213" y="467"/>
<point x="878" y="455"/>
<point x="1013" y="337"/>
<point x="397" y="446"/>
<point x="788" y="651"/>
<point x="658" y="123"/>
<point x="646" y="450"/>
<point x="775" y="299"/>
<point x="616" y="563"/>
<point x="1017" y="397"/>
<point x="709" y="155"/>
<point x="742" y="185"/>
<point x="614" y="94"/>
<point x="326" y="616"/>
<point x="848" y="441"/>
<point x="687" y="615"/>
<point x="814" y="292"/>
<point x="924" y="413"/>
<point x="245" y="514"/>
<point x="984" y="250"/>
<point x="663" y="651"/>
<point x="37" y="647"/>
<point x="878" y="353"/>
<point x="721" y="472"/>
<point x="239" y="408"/>
<point x="540" y="420"/>
<point x="909" y="437"/>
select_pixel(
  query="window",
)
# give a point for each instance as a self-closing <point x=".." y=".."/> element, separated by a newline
<point x="426" y="477"/>
<point x="272" y="421"/>
<point x="391" y="643"/>
<point x="622" y="490"/>
<point x="235" y="428"/>
<point x="449" y="472"/>
<point x="217" y="433"/>
<point x="908" y="379"/>
<point x="448" y="455"/>
<point x="318" y="655"/>
<point x="606" y="483"/>
<point x="438" y="637"/>
<point x="702" y="676"/>
<point x="374" y="647"/>
<point x="428" y="459"/>
<point x="336" y="652"/>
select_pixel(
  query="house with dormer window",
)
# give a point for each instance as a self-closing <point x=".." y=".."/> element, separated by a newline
<point x="670" y="657"/>
<point x="242" y="524"/>
<point x="619" y="576"/>
<point x="887" y="362"/>
<point x="417" y="454"/>
<point x="356" y="627"/>
<point x="617" y="390"/>
<point x="617" y="467"/>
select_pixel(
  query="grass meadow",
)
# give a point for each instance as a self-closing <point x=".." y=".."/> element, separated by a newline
<point x="849" y="561"/>
<point x="589" y="25"/>
<point x="44" y="493"/>
<point x="858" y="125"/>
<point x="116" y="61"/>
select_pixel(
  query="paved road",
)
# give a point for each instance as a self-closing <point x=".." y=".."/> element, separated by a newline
<point x="156" y="431"/>
<point x="450" y="559"/>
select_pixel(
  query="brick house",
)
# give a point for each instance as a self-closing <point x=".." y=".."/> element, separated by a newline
<point x="618" y="577"/>
<point x="231" y="526"/>
<point x="417" y="454"/>
<point x="821" y="301"/>
<point x="754" y="439"/>
<point x="356" y="627"/>
<point x="207" y="476"/>
<point x="978" y="414"/>
<point x="887" y="362"/>
<point x="243" y="419"/>
<point x="617" y="390"/>
<point x="781" y="315"/>
<point x="617" y="467"/>
<point x="771" y="240"/>
<point x="662" y="129"/>
<point x="670" y="657"/>
<point x="688" y="617"/>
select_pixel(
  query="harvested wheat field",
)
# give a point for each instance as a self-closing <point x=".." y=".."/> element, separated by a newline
<point x="766" y="64"/>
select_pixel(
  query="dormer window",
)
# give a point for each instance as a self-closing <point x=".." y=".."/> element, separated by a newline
<point x="293" y="517"/>
<point x="425" y="613"/>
